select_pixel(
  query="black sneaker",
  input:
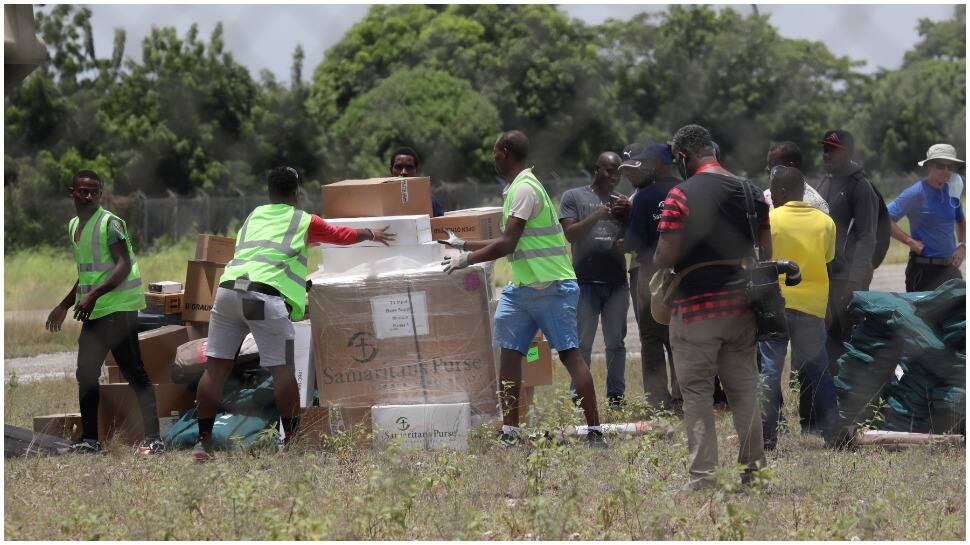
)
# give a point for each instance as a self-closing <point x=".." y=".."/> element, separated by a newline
<point x="510" y="439"/>
<point x="594" y="439"/>
<point x="151" y="446"/>
<point x="616" y="402"/>
<point x="202" y="451"/>
<point x="87" y="446"/>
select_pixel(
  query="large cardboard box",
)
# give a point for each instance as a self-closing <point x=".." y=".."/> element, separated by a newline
<point x="537" y="364"/>
<point x="120" y="416"/>
<point x="316" y="422"/>
<point x="471" y="224"/>
<point x="344" y="259"/>
<point x="431" y="426"/>
<point x="157" y="347"/>
<point x="377" y="197"/>
<point x="408" y="230"/>
<point x="215" y="249"/>
<point x="164" y="303"/>
<point x="201" y="283"/>
<point x="411" y="336"/>
<point x="66" y="425"/>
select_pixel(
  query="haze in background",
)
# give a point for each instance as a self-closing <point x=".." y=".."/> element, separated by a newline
<point x="263" y="37"/>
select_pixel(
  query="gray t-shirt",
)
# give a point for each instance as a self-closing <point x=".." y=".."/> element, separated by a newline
<point x="595" y="256"/>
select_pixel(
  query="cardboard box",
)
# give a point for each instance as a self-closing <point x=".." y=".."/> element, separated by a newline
<point x="377" y="197"/>
<point x="197" y="330"/>
<point x="201" y="283"/>
<point x="165" y="286"/>
<point x="303" y="362"/>
<point x="164" y="303"/>
<point x="537" y="364"/>
<point x="370" y="260"/>
<point x="316" y="422"/>
<point x="426" y="426"/>
<point x="157" y="347"/>
<point x="120" y="416"/>
<point x="409" y="230"/>
<point x="411" y="336"/>
<point x="66" y="425"/>
<point x="215" y="249"/>
<point x="471" y="224"/>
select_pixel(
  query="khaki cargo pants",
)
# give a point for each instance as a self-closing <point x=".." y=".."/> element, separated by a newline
<point x="725" y="347"/>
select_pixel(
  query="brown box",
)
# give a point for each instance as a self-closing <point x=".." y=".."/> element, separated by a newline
<point x="316" y="422"/>
<point x="537" y="365"/>
<point x="420" y="336"/>
<point x="471" y="224"/>
<point x="66" y="425"/>
<point x="215" y="249"/>
<point x="377" y="197"/>
<point x="119" y="414"/>
<point x="164" y="303"/>
<point x="157" y="347"/>
<point x="201" y="283"/>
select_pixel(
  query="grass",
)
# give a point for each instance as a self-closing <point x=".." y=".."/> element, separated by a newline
<point x="345" y="491"/>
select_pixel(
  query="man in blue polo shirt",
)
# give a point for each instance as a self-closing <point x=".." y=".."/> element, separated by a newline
<point x="936" y="252"/>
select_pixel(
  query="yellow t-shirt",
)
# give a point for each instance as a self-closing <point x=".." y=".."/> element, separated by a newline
<point x="802" y="234"/>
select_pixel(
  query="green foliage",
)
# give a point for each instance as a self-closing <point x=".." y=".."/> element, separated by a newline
<point x="943" y="40"/>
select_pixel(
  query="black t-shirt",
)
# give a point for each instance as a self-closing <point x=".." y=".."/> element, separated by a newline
<point x="709" y="210"/>
<point x="596" y="257"/>
<point x="645" y="211"/>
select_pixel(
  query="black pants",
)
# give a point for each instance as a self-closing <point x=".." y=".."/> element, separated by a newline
<point x="118" y="333"/>
<point x="926" y="277"/>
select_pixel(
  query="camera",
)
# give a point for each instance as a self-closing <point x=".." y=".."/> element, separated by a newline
<point x="764" y="294"/>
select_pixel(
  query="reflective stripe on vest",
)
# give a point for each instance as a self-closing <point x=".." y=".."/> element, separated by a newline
<point x="540" y="255"/>
<point x="279" y="257"/>
<point x="94" y="264"/>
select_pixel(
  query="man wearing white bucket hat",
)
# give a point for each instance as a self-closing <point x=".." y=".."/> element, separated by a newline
<point x="937" y="223"/>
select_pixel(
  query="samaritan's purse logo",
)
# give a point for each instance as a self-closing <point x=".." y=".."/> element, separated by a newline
<point x="364" y="347"/>
<point x="402" y="423"/>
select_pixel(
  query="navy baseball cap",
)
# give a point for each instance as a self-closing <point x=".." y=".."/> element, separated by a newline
<point x="658" y="152"/>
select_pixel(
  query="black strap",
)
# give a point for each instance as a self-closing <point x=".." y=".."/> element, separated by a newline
<point x="752" y="217"/>
<point x="257" y="287"/>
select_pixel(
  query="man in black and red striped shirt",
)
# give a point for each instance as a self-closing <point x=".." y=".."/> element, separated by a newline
<point x="712" y="330"/>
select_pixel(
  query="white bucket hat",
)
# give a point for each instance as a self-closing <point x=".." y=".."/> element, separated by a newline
<point x="941" y="151"/>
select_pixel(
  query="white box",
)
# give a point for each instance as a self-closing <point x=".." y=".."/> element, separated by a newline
<point x="165" y="286"/>
<point x="303" y="362"/>
<point x="410" y="230"/>
<point x="426" y="426"/>
<point x="380" y="259"/>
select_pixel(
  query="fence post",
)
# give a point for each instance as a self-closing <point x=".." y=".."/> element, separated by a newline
<point x="202" y="195"/>
<point x="143" y="214"/>
<point x="175" y="213"/>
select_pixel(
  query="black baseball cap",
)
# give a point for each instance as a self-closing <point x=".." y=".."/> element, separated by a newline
<point x="838" y="138"/>
<point x="631" y="149"/>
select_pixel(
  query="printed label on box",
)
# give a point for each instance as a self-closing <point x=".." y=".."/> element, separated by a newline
<point x="400" y="314"/>
<point x="404" y="191"/>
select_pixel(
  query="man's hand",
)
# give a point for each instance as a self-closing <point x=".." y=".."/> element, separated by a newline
<point x="84" y="308"/>
<point x="453" y="263"/>
<point x="383" y="235"/>
<point x="56" y="319"/>
<point x="453" y="240"/>
<point x="621" y="207"/>
<point x="916" y="246"/>
<point x="959" y="255"/>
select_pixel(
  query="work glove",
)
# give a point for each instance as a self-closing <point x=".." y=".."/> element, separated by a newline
<point x="453" y="241"/>
<point x="454" y="262"/>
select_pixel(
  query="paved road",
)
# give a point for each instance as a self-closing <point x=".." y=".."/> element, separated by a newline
<point x="886" y="278"/>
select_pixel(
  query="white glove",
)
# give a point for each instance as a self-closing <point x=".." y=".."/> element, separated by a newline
<point x="453" y="240"/>
<point x="453" y="263"/>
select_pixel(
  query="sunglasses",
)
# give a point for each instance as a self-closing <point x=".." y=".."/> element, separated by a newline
<point x="944" y="166"/>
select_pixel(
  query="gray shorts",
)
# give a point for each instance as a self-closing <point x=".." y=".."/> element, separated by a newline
<point x="235" y="314"/>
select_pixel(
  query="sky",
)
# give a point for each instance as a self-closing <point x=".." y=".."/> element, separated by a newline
<point x="264" y="36"/>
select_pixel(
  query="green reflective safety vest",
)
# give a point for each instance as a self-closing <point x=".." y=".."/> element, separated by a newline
<point x="94" y="264"/>
<point x="271" y="248"/>
<point x="540" y="255"/>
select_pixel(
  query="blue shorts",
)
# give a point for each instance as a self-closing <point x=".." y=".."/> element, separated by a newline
<point x="522" y="311"/>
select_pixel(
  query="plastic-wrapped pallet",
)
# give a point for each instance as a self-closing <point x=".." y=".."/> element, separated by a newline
<point x="404" y="337"/>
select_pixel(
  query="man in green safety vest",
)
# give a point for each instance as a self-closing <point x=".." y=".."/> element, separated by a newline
<point x="263" y="290"/>
<point x="543" y="293"/>
<point x="107" y="297"/>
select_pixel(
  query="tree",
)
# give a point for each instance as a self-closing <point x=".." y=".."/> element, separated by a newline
<point x="944" y="40"/>
<point x="450" y="125"/>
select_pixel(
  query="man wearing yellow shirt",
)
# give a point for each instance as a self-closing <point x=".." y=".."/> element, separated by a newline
<point x="805" y="235"/>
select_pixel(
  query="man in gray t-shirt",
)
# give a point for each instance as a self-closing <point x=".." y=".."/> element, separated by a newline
<point x="594" y="220"/>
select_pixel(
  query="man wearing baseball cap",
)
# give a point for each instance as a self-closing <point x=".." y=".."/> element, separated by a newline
<point x="935" y="253"/>
<point x="651" y="173"/>
<point x="854" y="207"/>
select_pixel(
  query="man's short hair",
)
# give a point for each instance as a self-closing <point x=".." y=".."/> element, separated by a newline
<point x="788" y="153"/>
<point x="88" y="175"/>
<point x="283" y="181"/>
<point x="406" y="150"/>
<point x="693" y="139"/>
<point x="516" y="143"/>
<point x="789" y="180"/>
